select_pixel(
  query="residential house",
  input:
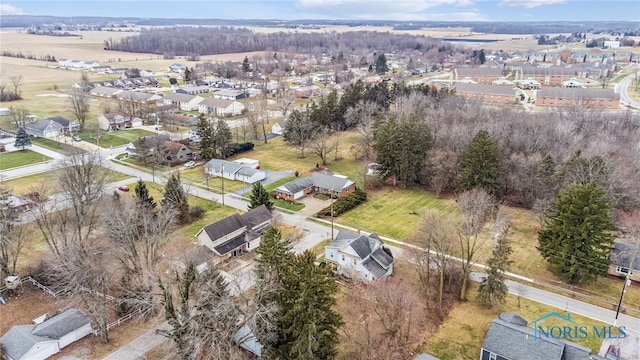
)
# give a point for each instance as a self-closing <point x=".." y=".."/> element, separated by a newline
<point x="105" y="91"/>
<point x="221" y="107"/>
<point x="229" y="94"/>
<point x="625" y="257"/>
<point x="481" y="75"/>
<point x="235" y="234"/>
<point x="560" y="97"/>
<point x="15" y="203"/>
<point x="572" y="83"/>
<point x="307" y="91"/>
<point x="118" y="120"/>
<point x="239" y="170"/>
<point x="146" y="73"/>
<point x="150" y="143"/>
<point x="45" y="128"/>
<point x="174" y="152"/>
<point x="177" y="68"/>
<point x="139" y="97"/>
<point x="193" y="89"/>
<point x="278" y="128"/>
<point x="46" y="338"/>
<point x="319" y="182"/>
<point x="67" y="125"/>
<point x="184" y="101"/>
<point x="358" y="256"/>
<point x="509" y="338"/>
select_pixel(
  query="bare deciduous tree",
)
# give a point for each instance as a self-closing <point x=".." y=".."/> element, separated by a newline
<point x="477" y="209"/>
<point x="16" y="82"/>
<point x="18" y="116"/>
<point x="320" y="146"/>
<point x="79" y="102"/>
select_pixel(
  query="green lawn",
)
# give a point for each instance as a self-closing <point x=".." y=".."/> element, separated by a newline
<point x="394" y="212"/>
<point x="49" y="180"/>
<point x="60" y="147"/>
<point x="293" y="206"/>
<point x="113" y="138"/>
<point x="461" y="334"/>
<point x="14" y="159"/>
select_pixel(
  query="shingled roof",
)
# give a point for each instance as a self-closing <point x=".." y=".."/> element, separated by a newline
<point x="510" y="337"/>
<point x="249" y="220"/>
<point x="324" y="180"/>
<point x="375" y="257"/>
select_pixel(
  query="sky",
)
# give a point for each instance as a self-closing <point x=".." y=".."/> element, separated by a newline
<point x="407" y="10"/>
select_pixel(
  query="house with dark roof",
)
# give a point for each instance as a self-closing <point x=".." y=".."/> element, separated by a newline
<point x="67" y="125"/>
<point x="235" y="234"/>
<point x="319" y="182"/>
<point x="245" y="170"/>
<point x="358" y="256"/>
<point x="625" y="258"/>
<point x="45" y="128"/>
<point x="509" y="338"/>
<point x="46" y="338"/>
<point x="174" y="152"/>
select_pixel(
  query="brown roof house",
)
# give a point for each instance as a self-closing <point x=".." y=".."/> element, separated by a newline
<point x="172" y="152"/>
<point x="320" y="182"/>
<point x="235" y="234"/>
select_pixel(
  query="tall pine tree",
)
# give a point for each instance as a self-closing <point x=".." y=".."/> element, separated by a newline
<point x="22" y="139"/>
<point x="143" y="198"/>
<point x="493" y="288"/>
<point x="259" y="196"/>
<point x="206" y="133"/>
<point x="481" y="165"/>
<point x="577" y="237"/>
<point x="176" y="198"/>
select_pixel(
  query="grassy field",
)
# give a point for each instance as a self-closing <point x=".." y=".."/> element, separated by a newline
<point x="49" y="180"/>
<point x="113" y="138"/>
<point x="14" y="159"/>
<point x="463" y="331"/>
<point x="394" y="212"/>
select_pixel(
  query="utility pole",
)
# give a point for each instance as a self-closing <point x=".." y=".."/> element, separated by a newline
<point x="627" y="281"/>
<point x="332" y="215"/>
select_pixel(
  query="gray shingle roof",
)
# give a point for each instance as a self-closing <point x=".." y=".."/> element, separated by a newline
<point x="256" y="216"/>
<point x="577" y="93"/>
<point x="376" y="258"/>
<point x="374" y="268"/>
<point x="229" y="166"/>
<point x="18" y="340"/>
<point x="232" y="244"/>
<point x="61" y="324"/>
<point x="317" y="179"/>
<point x="223" y="227"/>
<point x="177" y="97"/>
<point x="622" y="254"/>
<point x="509" y="336"/>
<point x="483" y="89"/>
<point x="43" y="125"/>
<point x="250" y="220"/>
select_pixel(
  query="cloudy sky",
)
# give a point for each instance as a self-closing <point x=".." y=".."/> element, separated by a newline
<point x="436" y="10"/>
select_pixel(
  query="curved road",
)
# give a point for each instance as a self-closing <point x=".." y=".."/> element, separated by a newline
<point x="623" y="89"/>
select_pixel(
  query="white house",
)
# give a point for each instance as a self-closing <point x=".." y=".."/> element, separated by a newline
<point x="235" y="234"/>
<point x="278" y="128"/>
<point x="358" y="256"/>
<point x="46" y="338"/>
<point x="117" y="121"/>
<point x="220" y="107"/>
<point x="229" y="94"/>
<point x="45" y="128"/>
<point x="185" y="102"/>
<point x="177" y="68"/>
<point x="234" y="170"/>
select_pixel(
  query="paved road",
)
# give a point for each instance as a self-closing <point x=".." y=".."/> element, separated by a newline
<point x="623" y="88"/>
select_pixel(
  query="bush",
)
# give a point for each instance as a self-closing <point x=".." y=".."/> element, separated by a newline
<point x="237" y="148"/>
<point x="196" y="213"/>
<point x="344" y="204"/>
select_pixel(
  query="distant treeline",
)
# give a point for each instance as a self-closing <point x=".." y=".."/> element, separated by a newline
<point x="184" y="41"/>
<point x="19" y="55"/>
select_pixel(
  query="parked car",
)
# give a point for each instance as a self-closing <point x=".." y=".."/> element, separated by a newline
<point x="190" y="164"/>
<point x="123" y="188"/>
<point x="159" y="127"/>
<point x="76" y="138"/>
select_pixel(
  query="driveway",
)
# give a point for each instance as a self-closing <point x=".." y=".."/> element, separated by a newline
<point x="272" y="176"/>
<point x="312" y="205"/>
<point x="629" y="347"/>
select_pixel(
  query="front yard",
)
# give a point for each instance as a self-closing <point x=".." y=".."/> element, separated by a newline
<point x="14" y="159"/>
<point x="108" y="139"/>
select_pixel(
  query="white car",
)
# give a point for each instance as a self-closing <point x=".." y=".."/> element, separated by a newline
<point x="190" y="164"/>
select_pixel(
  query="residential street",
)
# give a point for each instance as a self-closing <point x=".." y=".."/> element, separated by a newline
<point x="623" y="88"/>
<point x="314" y="233"/>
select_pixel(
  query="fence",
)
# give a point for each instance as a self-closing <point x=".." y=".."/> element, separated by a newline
<point x="119" y="321"/>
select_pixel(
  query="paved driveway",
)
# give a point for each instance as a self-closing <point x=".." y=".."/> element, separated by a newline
<point x="312" y="205"/>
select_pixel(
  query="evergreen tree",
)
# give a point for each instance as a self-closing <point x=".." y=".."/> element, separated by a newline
<point x="222" y="139"/>
<point x="176" y="198"/>
<point x="546" y="178"/>
<point x="481" y="165"/>
<point x="381" y="64"/>
<point x="143" y="198"/>
<point x="246" y="67"/>
<point x="22" y="139"/>
<point x="402" y="145"/>
<point x="207" y="144"/>
<point x="493" y="288"/>
<point x="308" y="322"/>
<point x="259" y="196"/>
<point x="577" y="237"/>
